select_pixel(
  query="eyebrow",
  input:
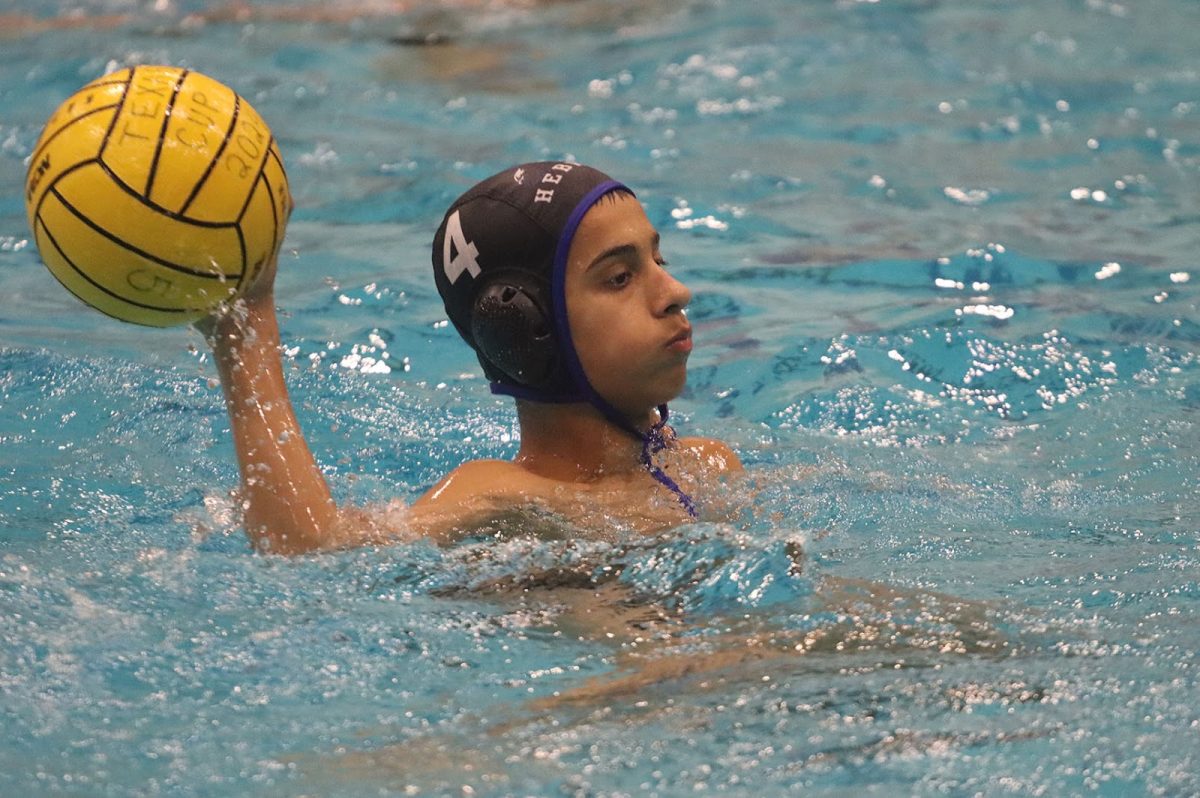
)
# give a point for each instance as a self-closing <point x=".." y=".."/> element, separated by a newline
<point x="622" y="250"/>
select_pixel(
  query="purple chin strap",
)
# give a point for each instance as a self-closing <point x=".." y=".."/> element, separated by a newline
<point x="653" y="439"/>
<point x="654" y="442"/>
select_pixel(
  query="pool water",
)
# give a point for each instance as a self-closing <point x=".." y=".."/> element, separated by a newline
<point x="943" y="258"/>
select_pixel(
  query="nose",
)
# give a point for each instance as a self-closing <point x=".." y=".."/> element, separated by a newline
<point x="674" y="295"/>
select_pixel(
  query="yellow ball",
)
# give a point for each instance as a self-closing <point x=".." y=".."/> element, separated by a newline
<point x="155" y="194"/>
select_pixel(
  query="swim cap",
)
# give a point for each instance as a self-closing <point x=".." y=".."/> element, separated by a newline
<point x="499" y="260"/>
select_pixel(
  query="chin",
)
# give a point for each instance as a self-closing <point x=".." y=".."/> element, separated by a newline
<point x="668" y="395"/>
<point x="677" y="385"/>
<point x="646" y="396"/>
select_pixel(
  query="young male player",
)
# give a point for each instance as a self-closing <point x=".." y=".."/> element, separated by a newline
<point x="552" y="273"/>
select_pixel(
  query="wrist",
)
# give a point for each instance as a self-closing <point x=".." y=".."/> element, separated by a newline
<point x="246" y="324"/>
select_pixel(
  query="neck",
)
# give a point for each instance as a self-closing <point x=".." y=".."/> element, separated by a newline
<point x="575" y="442"/>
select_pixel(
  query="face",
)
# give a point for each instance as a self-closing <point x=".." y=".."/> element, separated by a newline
<point x="625" y="309"/>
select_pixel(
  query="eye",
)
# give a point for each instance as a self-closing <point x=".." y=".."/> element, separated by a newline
<point x="620" y="279"/>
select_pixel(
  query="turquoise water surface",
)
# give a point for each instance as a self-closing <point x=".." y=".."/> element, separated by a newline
<point x="946" y="285"/>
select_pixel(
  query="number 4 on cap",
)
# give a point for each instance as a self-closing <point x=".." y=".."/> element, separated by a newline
<point x="458" y="254"/>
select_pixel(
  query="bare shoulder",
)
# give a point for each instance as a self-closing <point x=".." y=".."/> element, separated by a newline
<point x="476" y="478"/>
<point x="469" y="495"/>
<point x="711" y="454"/>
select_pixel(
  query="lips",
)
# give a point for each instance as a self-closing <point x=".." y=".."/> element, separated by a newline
<point x="681" y="342"/>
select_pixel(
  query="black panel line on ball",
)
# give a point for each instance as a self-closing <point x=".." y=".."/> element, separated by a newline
<point x="175" y="267"/>
<point x="146" y="201"/>
<point x="104" y="80"/>
<point x="37" y="155"/>
<point x="84" y="275"/>
<point x="237" y="102"/>
<point x="120" y="105"/>
<point x="242" y="246"/>
<point x="275" y="228"/>
<point x="278" y="159"/>
<point x="262" y="164"/>
<point x="276" y="223"/>
<point x="37" y="212"/>
<point x="253" y="269"/>
<point x="162" y="132"/>
<point x="98" y="84"/>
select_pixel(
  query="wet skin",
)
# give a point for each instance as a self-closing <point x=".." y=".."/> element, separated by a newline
<point x="626" y="310"/>
<point x="576" y="472"/>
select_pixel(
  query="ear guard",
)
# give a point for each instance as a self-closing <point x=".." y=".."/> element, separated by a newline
<point x="514" y="335"/>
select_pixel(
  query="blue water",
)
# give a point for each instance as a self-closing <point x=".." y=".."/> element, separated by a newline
<point x="946" y="292"/>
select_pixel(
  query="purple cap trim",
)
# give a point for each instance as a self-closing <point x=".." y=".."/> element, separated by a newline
<point x="558" y="293"/>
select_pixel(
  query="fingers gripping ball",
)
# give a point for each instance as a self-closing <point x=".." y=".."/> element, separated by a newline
<point x="155" y="194"/>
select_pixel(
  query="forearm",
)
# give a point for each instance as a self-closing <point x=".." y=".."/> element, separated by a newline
<point x="286" y="501"/>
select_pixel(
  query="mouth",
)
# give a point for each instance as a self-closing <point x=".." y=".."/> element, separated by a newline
<point x="681" y="343"/>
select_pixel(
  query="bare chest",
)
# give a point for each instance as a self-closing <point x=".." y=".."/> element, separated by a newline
<point x="607" y="509"/>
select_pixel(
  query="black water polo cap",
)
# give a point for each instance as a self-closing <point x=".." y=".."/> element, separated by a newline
<point x="499" y="261"/>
